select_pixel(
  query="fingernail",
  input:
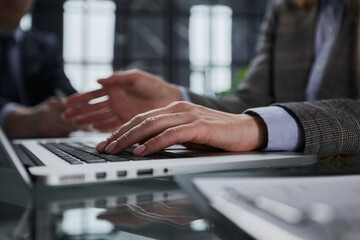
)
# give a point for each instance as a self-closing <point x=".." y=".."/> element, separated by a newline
<point x="101" y="146"/>
<point x="111" y="147"/>
<point x="139" y="150"/>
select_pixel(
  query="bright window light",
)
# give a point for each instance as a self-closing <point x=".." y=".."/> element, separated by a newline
<point x="89" y="27"/>
<point x="210" y="48"/>
<point x="84" y="221"/>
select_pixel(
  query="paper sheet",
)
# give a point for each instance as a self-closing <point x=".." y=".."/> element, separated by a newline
<point x="340" y="193"/>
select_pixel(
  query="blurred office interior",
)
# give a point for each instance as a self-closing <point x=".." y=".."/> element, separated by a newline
<point x="200" y="44"/>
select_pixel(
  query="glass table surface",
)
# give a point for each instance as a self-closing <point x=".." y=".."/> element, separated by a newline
<point x="145" y="209"/>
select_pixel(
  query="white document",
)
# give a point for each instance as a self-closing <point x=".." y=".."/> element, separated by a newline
<point x="288" y="207"/>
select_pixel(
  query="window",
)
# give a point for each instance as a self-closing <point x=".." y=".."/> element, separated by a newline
<point x="201" y="44"/>
<point x="210" y="48"/>
<point x="89" y="27"/>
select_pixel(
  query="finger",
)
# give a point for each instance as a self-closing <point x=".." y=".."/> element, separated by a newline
<point x="126" y="127"/>
<point x="85" y="109"/>
<point x="80" y="98"/>
<point x="125" y="77"/>
<point x="101" y="116"/>
<point x="172" y="108"/>
<point x="145" y="130"/>
<point x="175" y="135"/>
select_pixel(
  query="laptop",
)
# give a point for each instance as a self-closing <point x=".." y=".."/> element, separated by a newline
<point x="68" y="161"/>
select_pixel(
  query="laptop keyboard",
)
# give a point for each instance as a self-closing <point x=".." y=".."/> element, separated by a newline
<point x="80" y="153"/>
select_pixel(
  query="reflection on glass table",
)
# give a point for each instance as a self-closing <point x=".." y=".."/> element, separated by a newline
<point x="152" y="209"/>
<point x="160" y="215"/>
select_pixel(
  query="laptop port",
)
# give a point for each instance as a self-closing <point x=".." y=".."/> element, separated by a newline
<point x="100" y="175"/>
<point x="72" y="178"/>
<point x="121" y="174"/>
<point x="145" y="172"/>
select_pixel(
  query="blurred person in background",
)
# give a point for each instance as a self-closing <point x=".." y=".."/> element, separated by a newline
<point x="31" y="73"/>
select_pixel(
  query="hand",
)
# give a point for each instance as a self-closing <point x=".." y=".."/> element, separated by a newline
<point x="178" y="211"/>
<point x="129" y="93"/>
<point x="183" y="122"/>
<point x="43" y="120"/>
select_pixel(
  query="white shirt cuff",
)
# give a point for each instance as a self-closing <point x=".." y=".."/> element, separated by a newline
<point x="5" y="110"/>
<point x="184" y="94"/>
<point x="283" y="130"/>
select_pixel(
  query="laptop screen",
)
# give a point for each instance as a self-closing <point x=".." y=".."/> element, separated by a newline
<point x="8" y="155"/>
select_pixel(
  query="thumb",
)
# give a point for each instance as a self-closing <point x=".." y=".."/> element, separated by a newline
<point x="120" y="78"/>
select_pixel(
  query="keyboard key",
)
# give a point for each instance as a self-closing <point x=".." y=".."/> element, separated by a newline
<point x="64" y="156"/>
<point x="94" y="160"/>
<point x="78" y="153"/>
<point x="108" y="157"/>
<point x="81" y="155"/>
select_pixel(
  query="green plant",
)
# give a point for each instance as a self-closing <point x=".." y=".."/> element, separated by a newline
<point x="239" y="76"/>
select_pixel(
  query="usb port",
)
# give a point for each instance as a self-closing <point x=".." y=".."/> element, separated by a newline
<point x="145" y="172"/>
<point x="101" y="175"/>
<point x="72" y="178"/>
<point x="121" y="174"/>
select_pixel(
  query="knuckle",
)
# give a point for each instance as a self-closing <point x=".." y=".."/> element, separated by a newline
<point x="154" y="142"/>
<point x="181" y="105"/>
<point x="126" y="137"/>
<point x="136" y="72"/>
<point x="171" y="133"/>
<point x="114" y="135"/>
<point x="151" y="121"/>
<point x="138" y="118"/>
<point x="174" y="104"/>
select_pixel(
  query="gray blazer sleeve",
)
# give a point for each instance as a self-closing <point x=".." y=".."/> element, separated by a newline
<point x="330" y="126"/>
<point x="256" y="90"/>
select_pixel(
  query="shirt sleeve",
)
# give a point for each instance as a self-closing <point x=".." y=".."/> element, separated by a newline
<point x="5" y="110"/>
<point x="284" y="133"/>
<point x="184" y="94"/>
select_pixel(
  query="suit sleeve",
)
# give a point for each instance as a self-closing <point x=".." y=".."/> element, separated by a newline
<point x="3" y="101"/>
<point x="330" y="126"/>
<point x="256" y="90"/>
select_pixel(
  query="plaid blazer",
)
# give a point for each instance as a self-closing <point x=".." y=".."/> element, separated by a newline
<point x="280" y="70"/>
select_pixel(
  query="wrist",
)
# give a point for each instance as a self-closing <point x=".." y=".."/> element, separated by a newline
<point x="18" y="121"/>
<point x="172" y="94"/>
<point x="261" y="133"/>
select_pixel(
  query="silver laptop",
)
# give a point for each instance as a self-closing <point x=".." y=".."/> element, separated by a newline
<point x="67" y="161"/>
